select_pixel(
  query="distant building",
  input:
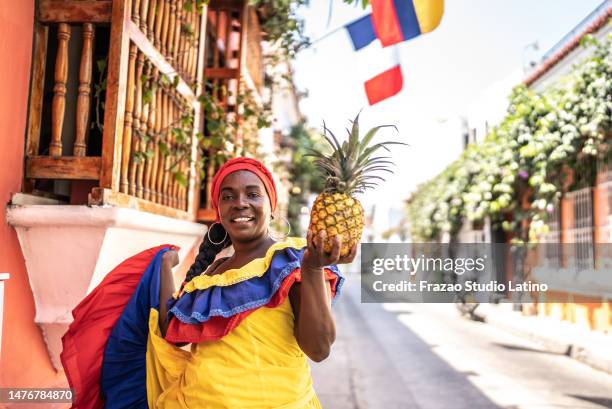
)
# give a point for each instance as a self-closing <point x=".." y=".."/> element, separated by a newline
<point x="583" y="216"/>
<point x="488" y="109"/>
<point x="558" y="61"/>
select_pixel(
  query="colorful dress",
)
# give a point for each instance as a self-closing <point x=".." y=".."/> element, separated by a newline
<point x="241" y="325"/>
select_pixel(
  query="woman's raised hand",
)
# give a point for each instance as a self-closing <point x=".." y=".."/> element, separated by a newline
<point x="166" y="287"/>
<point x="170" y="258"/>
<point x="315" y="256"/>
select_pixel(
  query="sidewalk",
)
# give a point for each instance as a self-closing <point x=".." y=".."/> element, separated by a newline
<point x="590" y="347"/>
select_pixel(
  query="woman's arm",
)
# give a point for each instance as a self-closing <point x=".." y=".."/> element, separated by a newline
<point x="166" y="286"/>
<point x="315" y="329"/>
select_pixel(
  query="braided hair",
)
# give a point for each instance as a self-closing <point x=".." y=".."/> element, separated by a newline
<point x="207" y="252"/>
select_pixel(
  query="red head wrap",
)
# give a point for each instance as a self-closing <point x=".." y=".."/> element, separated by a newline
<point x="241" y="163"/>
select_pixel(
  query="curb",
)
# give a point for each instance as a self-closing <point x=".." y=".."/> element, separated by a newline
<point x="589" y="347"/>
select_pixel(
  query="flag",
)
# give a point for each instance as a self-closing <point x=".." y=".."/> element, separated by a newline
<point x="378" y="67"/>
<point x="384" y="85"/>
<point x="391" y="22"/>
<point x="395" y="21"/>
<point x="361" y="32"/>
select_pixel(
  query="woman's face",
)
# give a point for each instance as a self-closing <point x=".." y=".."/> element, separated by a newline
<point x="244" y="206"/>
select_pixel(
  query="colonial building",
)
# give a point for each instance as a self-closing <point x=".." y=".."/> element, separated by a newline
<point x="582" y="220"/>
<point x="104" y="124"/>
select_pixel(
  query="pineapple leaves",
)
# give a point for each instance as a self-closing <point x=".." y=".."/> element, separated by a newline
<point x="335" y="145"/>
<point x="355" y="130"/>
<point x="354" y="134"/>
<point x="350" y="164"/>
<point x="314" y="153"/>
<point x="368" y="138"/>
<point x="329" y="169"/>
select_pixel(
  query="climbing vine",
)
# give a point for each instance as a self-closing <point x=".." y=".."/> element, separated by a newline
<point x="282" y="25"/>
<point x="521" y="168"/>
<point x="226" y="134"/>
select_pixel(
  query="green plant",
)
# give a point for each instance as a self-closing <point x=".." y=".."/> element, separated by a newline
<point x="517" y="174"/>
<point x="281" y="24"/>
<point x="225" y="134"/>
<point x="99" y="90"/>
<point x="220" y="138"/>
<point x="362" y="3"/>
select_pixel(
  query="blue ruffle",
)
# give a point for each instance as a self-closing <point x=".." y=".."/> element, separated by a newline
<point x="123" y="378"/>
<point x="225" y="301"/>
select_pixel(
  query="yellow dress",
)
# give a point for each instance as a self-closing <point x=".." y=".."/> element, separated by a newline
<point x="259" y="364"/>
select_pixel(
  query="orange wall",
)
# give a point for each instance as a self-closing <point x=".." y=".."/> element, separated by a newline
<point x="24" y="360"/>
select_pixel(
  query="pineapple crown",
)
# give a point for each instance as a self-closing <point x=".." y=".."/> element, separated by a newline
<point x="350" y="165"/>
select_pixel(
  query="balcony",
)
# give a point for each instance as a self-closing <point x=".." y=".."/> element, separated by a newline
<point x="95" y="136"/>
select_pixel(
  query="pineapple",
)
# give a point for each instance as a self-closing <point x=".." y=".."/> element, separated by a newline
<point x="348" y="171"/>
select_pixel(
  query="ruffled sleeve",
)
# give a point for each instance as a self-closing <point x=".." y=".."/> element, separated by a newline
<point x="211" y="307"/>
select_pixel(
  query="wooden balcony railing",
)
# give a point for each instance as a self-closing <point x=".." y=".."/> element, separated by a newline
<point x="224" y="50"/>
<point x="254" y="55"/>
<point x="225" y="30"/>
<point x="90" y="126"/>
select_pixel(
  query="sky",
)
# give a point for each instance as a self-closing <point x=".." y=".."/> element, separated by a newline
<point x="477" y="44"/>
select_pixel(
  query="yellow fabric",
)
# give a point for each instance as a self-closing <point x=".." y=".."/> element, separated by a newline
<point x="165" y="362"/>
<point x="259" y="364"/>
<point x="429" y="13"/>
<point x="255" y="268"/>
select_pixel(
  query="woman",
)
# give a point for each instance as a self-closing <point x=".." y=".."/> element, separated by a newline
<point x="252" y="317"/>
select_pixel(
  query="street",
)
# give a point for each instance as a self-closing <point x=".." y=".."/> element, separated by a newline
<point x="427" y="356"/>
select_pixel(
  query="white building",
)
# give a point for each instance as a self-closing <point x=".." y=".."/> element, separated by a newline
<point x="558" y="61"/>
<point x="489" y="108"/>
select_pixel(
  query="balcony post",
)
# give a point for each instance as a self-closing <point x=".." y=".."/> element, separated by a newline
<point x="193" y="185"/>
<point x="118" y="59"/>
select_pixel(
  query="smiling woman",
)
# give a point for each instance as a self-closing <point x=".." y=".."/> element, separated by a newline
<point x="252" y="318"/>
<point x="245" y="205"/>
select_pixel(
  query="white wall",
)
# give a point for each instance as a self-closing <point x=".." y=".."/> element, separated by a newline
<point x="564" y="66"/>
<point x="489" y="108"/>
<point x="3" y="277"/>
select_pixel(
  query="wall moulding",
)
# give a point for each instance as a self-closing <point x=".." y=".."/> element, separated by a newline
<point x="68" y="250"/>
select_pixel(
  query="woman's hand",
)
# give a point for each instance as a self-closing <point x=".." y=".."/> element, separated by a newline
<point x="166" y="287"/>
<point x="315" y="256"/>
<point x="170" y="259"/>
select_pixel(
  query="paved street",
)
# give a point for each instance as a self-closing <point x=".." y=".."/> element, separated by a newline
<point x="426" y="356"/>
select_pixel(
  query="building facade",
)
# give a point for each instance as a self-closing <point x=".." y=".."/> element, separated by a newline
<point x="103" y="116"/>
<point x="582" y="219"/>
<point x="581" y="222"/>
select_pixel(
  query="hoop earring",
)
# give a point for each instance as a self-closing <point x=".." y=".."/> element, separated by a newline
<point x="286" y="234"/>
<point x="208" y="234"/>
